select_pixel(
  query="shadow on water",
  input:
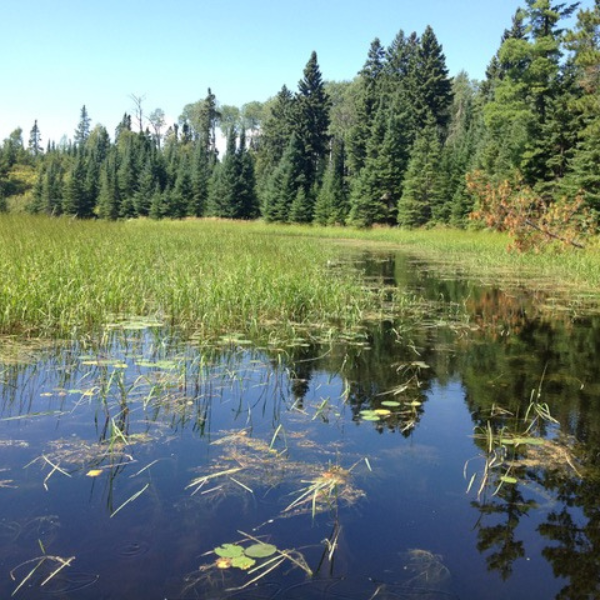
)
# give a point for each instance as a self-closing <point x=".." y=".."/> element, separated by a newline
<point x="143" y="465"/>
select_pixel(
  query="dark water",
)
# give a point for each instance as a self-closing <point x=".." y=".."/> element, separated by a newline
<point x="104" y="445"/>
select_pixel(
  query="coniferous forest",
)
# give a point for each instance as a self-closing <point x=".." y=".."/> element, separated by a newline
<point x="403" y="143"/>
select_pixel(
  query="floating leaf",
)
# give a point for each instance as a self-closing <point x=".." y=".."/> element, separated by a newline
<point x="260" y="550"/>
<point x="94" y="473"/>
<point x="229" y="551"/>
<point x="371" y="417"/>
<point x="242" y="562"/>
<point x="382" y="412"/>
<point x="508" y="479"/>
<point x="390" y="403"/>
<point x="415" y="403"/>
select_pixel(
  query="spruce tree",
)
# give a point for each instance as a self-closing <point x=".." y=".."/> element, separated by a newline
<point x="332" y="205"/>
<point x="108" y="195"/>
<point x="367" y="102"/>
<point x="76" y="202"/>
<point x="311" y="124"/>
<point x="247" y="199"/>
<point x="274" y="138"/>
<point x="182" y="193"/>
<point x="226" y="194"/>
<point x="200" y="182"/>
<point x="434" y="89"/>
<point x="35" y="140"/>
<point x="82" y="133"/>
<point x="423" y="185"/>
<point x="286" y="181"/>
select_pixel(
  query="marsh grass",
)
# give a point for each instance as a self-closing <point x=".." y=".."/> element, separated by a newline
<point x="481" y="255"/>
<point x="70" y="277"/>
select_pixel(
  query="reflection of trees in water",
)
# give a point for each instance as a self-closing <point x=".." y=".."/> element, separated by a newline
<point x="497" y="528"/>
<point x="573" y="529"/>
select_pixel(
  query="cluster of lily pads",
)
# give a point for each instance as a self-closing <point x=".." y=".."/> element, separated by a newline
<point x="389" y="408"/>
<point x="236" y="556"/>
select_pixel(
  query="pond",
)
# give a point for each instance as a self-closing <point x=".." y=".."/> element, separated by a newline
<point x="456" y="458"/>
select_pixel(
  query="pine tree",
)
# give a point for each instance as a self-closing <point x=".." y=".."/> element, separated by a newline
<point x="423" y="186"/>
<point x="434" y="88"/>
<point x="200" y="182"/>
<point x="369" y="97"/>
<point x="82" y="133"/>
<point x="108" y="195"/>
<point x="76" y="201"/>
<point x="35" y="140"/>
<point x="226" y="191"/>
<point x="247" y="198"/>
<point x="583" y="167"/>
<point x="147" y="184"/>
<point x="182" y="193"/>
<point x="332" y="205"/>
<point x="311" y="123"/>
<point x="459" y="151"/>
<point x="274" y="138"/>
<point x="378" y="187"/>
<point x="285" y="183"/>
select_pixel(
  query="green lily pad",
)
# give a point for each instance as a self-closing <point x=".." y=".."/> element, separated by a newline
<point x="260" y="550"/>
<point x="390" y="403"/>
<point x="242" y="562"/>
<point x="229" y="551"/>
<point x="508" y="479"/>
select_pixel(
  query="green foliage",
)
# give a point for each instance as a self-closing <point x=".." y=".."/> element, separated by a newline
<point x="423" y="185"/>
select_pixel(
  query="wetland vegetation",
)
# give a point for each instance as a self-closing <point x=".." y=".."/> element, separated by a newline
<point x="215" y="409"/>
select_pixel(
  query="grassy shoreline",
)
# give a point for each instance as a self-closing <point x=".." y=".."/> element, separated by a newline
<point x="62" y="276"/>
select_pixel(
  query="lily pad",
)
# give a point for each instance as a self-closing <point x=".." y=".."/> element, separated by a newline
<point x="382" y="412"/>
<point x="260" y="550"/>
<point x="229" y="551"/>
<point x="391" y="403"/>
<point x="508" y="479"/>
<point x="242" y="562"/>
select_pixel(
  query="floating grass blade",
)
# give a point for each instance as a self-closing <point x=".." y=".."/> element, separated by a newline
<point x="131" y="499"/>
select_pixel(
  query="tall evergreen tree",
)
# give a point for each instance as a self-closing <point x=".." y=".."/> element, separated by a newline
<point x="368" y="100"/>
<point x="82" y="133"/>
<point x="76" y="201"/>
<point x="434" y="92"/>
<point x="423" y="185"/>
<point x="274" y="138"/>
<point x="35" y="140"/>
<point x="312" y="123"/>
<point x="285" y="182"/>
<point x="332" y="205"/>
<point x="108" y="196"/>
<point x="247" y="199"/>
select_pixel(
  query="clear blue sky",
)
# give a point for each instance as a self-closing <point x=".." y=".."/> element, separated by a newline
<point x="61" y="54"/>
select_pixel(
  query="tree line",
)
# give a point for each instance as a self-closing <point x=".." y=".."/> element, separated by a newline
<point x="402" y="143"/>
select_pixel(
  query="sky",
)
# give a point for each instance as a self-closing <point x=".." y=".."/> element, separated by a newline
<point x="58" y="55"/>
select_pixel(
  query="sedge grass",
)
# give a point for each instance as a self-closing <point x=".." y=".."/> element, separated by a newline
<point x="480" y="254"/>
<point x="62" y="276"/>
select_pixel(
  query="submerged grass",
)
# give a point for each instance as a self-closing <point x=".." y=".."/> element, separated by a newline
<point x="65" y="276"/>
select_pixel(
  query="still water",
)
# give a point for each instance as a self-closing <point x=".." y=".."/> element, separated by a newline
<point x="457" y="459"/>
